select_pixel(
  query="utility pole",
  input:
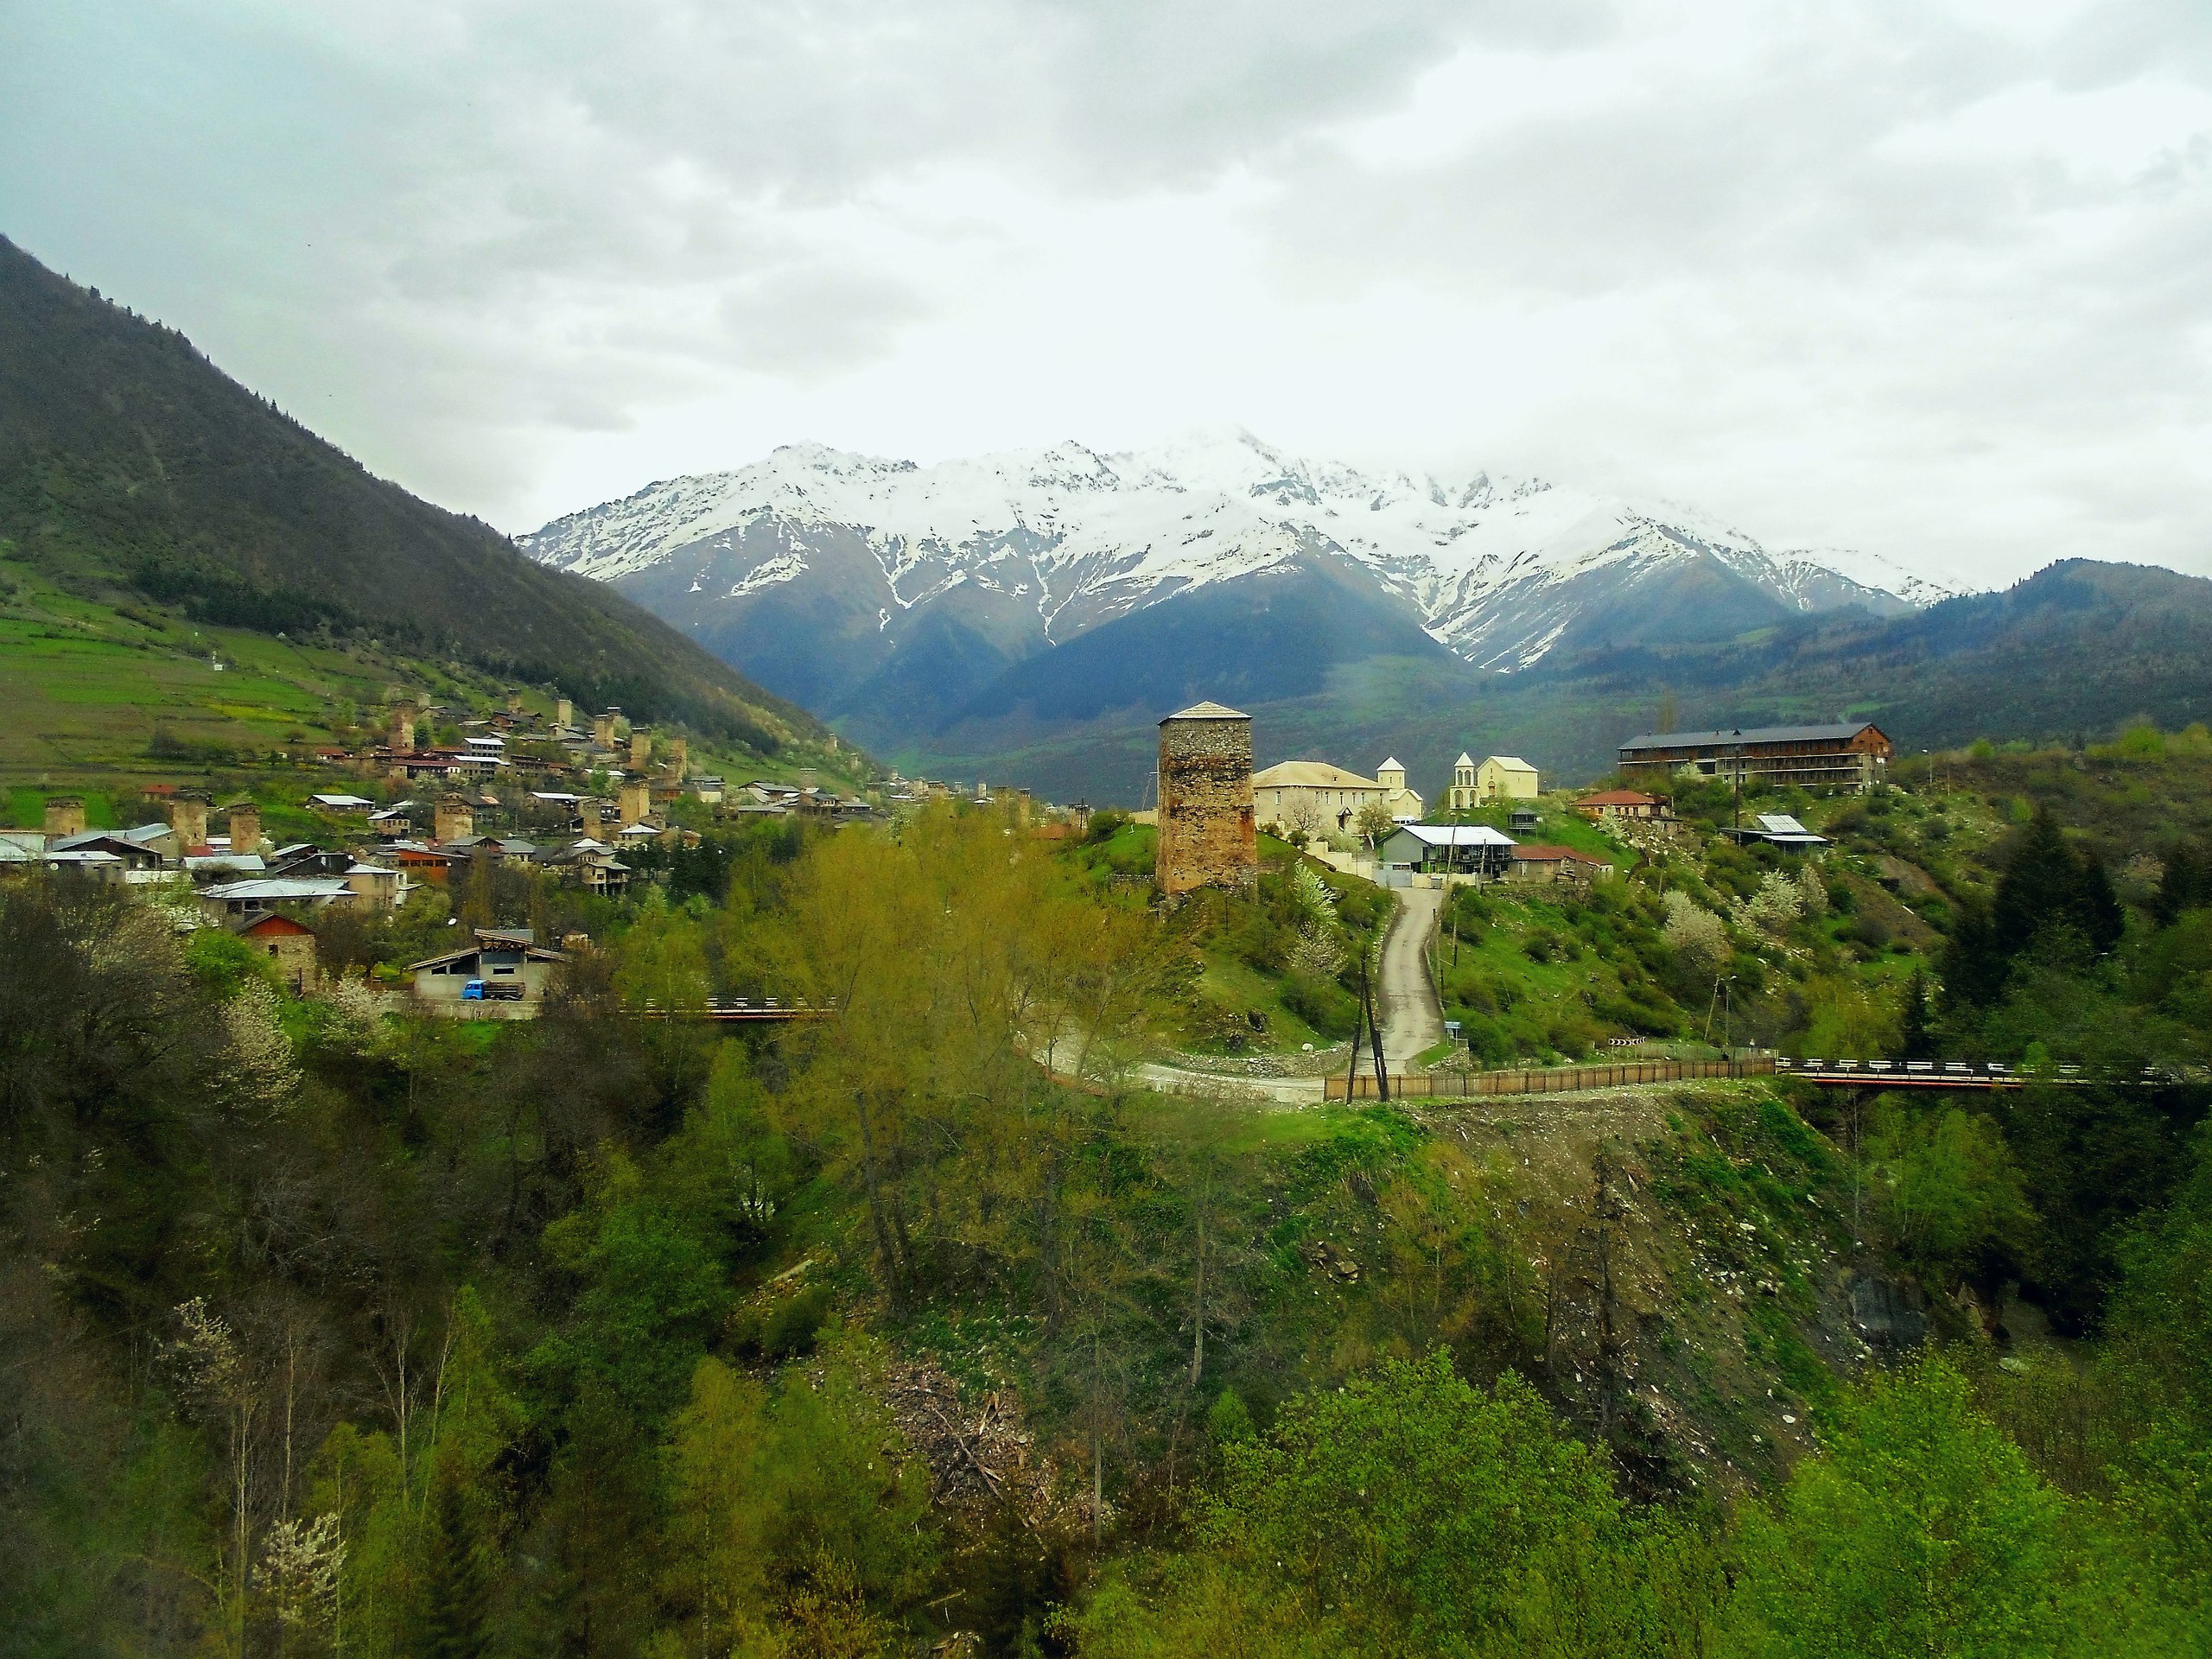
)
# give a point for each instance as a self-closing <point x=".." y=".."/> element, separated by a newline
<point x="1374" y="1032"/>
<point x="1358" y="1030"/>
<point x="1739" y="778"/>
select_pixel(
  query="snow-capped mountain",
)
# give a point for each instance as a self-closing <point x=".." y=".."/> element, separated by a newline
<point x="816" y="570"/>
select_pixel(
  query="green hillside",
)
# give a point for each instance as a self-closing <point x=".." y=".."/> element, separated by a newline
<point x="132" y="469"/>
<point x="105" y="698"/>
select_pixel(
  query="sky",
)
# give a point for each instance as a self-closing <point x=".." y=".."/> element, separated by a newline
<point x="1928" y="277"/>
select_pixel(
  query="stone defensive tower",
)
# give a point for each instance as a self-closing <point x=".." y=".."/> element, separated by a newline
<point x="1207" y="838"/>
<point x="602" y="729"/>
<point x="452" y="819"/>
<point x="242" y="822"/>
<point x="636" y="800"/>
<point x="65" y="815"/>
<point x="564" y="713"/>
<point x="188" y="820"/>
<point x="403" y="729"/>
<point x="641" y="749"/>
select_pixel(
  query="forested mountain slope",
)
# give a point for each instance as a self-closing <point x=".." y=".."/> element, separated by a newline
<point x="129" y="461"/>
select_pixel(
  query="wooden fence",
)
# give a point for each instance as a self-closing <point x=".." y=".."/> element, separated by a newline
<point x="1550" y="1080"/>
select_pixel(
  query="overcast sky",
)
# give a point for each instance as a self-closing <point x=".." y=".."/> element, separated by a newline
<point x="1930" y="278"/>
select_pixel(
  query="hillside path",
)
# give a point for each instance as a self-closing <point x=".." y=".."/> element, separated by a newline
<point x="1413" y="1021"/>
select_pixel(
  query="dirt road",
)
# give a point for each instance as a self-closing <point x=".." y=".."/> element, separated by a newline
<point x="1412" y="1021"/>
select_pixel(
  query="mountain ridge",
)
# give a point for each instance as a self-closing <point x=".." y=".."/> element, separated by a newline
<point x="130" y="462"/>
<point x="1096" y="535"/>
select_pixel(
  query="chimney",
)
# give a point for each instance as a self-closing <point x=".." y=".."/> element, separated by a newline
<point x="65" y="815"/>
<point x="403" y="729"/>
<point x="244" y="823"/>
<point x="641" y="748"/>
<point x="453" y="819"/>
<point x="602" y="730"/>
<point x="636" y="801"/>
<point x="565" y="712"/>
<point x="188" y="820"/>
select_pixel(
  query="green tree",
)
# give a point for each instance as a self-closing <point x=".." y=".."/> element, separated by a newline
<point x="650" y="1290"/>
<point x="1407" y="1513"/>
<point x="1948" y="1191"/>
<point x="2053" y="896"/>
<point x="456" y="1589"/>
<point x="1915" y="1033"/>
<point x="1921" y="1531"/>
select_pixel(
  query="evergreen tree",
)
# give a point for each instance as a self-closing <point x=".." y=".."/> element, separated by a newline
<point x="455" y="1591"/>
<point x="2185" y="884"/>
<point x="2048" y="890"/>
<point x="1916" y="1038"/>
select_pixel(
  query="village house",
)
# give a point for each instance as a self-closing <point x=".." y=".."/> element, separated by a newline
<point x="1621" y="804"/>
<point x="590" y="865"/>
<point x="230" y="901"/>
<point x="1465" y="849"/>
<point x="1851" y="755"/>
<point x="287" y="942"/>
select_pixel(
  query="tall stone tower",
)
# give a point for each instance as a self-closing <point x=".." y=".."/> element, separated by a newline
<point x="1207" y="838"/>
<point x="453" y="819"/>
<point x="403" y="729"/>
<point x="65" y="815"/>
<point x="188" y="823"/>
<point x="635" y="801"/>
<point x="564" y="713"/>
<point x="641" y="748"/>
<point x="243" y="822"/>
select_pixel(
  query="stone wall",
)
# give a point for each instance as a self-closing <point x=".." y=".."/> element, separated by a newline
<point x="1207" y="835"/>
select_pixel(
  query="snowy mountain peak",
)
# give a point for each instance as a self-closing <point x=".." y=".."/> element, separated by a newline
<point x="1497" y="570"/>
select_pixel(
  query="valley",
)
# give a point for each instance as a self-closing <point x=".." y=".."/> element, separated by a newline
<point x="516" y="1136"/>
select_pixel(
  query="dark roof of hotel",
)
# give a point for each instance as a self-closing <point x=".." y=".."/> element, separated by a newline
<point x="1841" y="731"/>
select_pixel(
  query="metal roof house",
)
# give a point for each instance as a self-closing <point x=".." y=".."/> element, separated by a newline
<point x="1445" y="849"/>
<point x="230" y="899"/>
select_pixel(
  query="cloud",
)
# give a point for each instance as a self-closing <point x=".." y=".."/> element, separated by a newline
<point x="1922" y="275"/>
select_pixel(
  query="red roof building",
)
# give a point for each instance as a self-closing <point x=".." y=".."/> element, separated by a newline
<point x="1621" y="804"/>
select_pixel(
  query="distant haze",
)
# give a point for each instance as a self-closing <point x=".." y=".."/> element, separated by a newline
<point x="1926" y="281"/>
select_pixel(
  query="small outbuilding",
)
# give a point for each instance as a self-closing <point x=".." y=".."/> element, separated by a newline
<point x="1778" y="829"/>
<point x="501" y="964"/>
<point x="1540" y="863"/>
